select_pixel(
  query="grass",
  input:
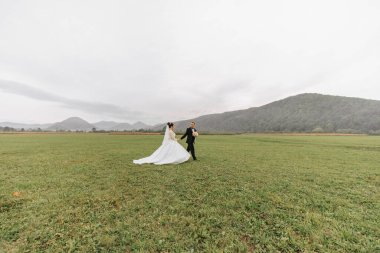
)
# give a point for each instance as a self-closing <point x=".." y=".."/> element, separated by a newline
<point x="247" y="193"/>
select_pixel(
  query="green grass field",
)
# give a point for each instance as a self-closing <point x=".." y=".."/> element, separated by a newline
<point x="247" y="193"/>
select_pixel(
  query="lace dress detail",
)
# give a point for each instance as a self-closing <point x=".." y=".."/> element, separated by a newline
<point x="172" y="135"/>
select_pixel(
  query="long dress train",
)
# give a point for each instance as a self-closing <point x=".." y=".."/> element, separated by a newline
<point x="170" y="152"/>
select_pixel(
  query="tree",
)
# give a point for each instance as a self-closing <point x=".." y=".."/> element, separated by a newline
<point x="318" y="130"/>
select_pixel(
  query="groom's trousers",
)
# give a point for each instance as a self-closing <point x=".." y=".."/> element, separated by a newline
<point x="190" y="148"/>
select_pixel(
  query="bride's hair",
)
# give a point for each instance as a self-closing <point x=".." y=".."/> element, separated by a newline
<point x="170" y="124"/>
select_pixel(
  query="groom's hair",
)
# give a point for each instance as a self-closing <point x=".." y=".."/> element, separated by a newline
<point x="193" y="122"/>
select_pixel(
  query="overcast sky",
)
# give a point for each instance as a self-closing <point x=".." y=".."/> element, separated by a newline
<point x="159" y="61"/>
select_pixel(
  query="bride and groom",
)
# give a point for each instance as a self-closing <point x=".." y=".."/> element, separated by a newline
<point x="171" y="152"/>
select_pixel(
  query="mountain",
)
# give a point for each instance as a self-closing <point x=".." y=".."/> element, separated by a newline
<point x="115" y="126"/>
<point x="72" y="124"/>
<point x="122" y="127"/>
<point x="105" y="125"/>
<point x="301" y="113"/>
<point x="78" y="124"/>
<point x="140" y="125"/>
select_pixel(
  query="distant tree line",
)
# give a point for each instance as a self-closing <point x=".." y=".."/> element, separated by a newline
<point x="11" y="129"/>
<point x="94" y="130"/>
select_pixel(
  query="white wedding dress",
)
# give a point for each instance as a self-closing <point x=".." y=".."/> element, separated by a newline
<point x="170" y="152"/>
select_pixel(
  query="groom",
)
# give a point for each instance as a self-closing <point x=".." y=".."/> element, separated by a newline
<point x="190" y="139"/>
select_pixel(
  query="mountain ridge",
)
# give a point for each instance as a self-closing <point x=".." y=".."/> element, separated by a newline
<point x="307" y="112"/>
<point x="71" y="124"/>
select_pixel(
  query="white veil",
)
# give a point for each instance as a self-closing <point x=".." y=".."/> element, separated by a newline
<point x="166" y="136"/>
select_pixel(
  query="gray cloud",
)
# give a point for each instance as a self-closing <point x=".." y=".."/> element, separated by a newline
<point x="180" y="59"/>
<point x="89" y="107"/>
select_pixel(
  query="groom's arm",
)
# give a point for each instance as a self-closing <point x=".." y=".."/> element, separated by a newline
<point x="186" y="133"/>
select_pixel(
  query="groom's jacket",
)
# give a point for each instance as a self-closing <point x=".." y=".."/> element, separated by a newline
<point x="189" y="134"/>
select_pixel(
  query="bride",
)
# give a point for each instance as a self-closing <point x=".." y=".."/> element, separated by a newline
<point x="169" y="152"/>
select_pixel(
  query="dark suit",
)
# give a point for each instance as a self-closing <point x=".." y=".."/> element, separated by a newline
<point x="190" y="141"/>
